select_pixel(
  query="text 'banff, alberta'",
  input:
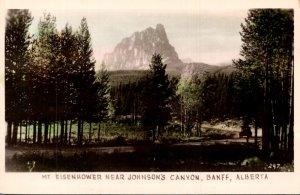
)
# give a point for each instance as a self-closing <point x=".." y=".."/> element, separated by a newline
<point x="158" y="177"/>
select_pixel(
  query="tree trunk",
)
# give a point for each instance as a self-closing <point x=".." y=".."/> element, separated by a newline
<point x="200" y="124"/>
<point x="283" y="137"/>
<point x="50" y="129"/>
<point x="57" y="135"/>
<point x="276" y="138"/>
<point x="82" y="130"/>
<point x="15" y="133"/>
<point x="46" y="133"/>
<point x="62" y="127"/>
<point x="153" y="132"/>
<point x="9" y="132"/>
<point x="198" y="128"/>
<point x="181" y="118"/>
<point x="99" y="126"/>
<point x="159" y="129"/>
<point x="291" y="119"/>
<point x="197" y="123"/>
<point x="255" y="131"/>
<point x="185" y="122"/>
<point x="34" y="132"/>
<point x="90" y="132"/>
<point x="20" y="133"/>
<point x="291" y="129"/>
<point x="291" y="139"/>
<point x="26" y="131"/>
<point x="79" y="133"/>
<point x="134" y="110"/>
<point x="273" y="126"/>
<point x="188" y="126"/>
<point x="70" y="132"/>
<point x="39" y="133"/>
<point x="66" y="133"/>
<point x="266" y="109"/>
<point x="54" y="132"/>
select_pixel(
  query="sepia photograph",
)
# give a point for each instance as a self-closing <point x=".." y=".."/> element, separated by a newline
<point x="149" y="94"/>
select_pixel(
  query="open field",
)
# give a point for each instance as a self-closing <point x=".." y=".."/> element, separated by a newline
<point x="112" y="134"/>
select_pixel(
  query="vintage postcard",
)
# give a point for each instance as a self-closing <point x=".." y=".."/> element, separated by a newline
<point x="155" y="96"/>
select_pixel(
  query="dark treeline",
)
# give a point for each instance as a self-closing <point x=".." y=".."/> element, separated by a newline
<point x="51" y="84"/>
<point x="50" y="80"/>
<point x="126" y="101"/>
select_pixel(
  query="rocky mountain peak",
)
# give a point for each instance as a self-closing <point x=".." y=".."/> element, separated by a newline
<point x="161" y="32"/>
<point x="135" y="52"/>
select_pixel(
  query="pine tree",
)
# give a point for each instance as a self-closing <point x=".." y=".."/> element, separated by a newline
<point x="66" y="73"/>
<point x="103" y="89"/>
<point x="84" y="79"/>
<point x="17" y="41"/>
<point x="44" y="69"/>
<point x="156" y="96"/>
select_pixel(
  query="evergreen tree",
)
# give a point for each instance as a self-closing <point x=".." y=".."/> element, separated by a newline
<point x="102" y="82"/>
<point x="17" y="41"/>
<point x="84" y="79"/>
<point x="156" y="96"/>
<point x="267" y="64"/>
<point x="44" y="70"/>
<point x="249" y="95"/>
<point x="66" y="88"/>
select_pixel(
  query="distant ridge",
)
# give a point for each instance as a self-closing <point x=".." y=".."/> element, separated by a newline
<point x="200" y="69"/>
<point x="190" y="70"/>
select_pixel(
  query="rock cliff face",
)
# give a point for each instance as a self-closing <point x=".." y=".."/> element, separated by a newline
<point x="135" y="52"/>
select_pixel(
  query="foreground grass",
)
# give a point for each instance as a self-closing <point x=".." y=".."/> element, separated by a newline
<point x="151" y="157"/>
<point x="123" y="148"/>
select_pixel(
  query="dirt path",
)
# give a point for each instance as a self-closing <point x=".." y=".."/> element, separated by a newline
<point x="235" y="129"/>
<point x="220" y="141"/>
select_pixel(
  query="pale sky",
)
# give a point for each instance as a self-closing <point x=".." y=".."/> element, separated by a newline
<point x="204" y="36"/>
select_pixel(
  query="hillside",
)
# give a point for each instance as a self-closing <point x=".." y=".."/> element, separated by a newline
<point x="200" y="69"/>
<point x="189" y="70"/>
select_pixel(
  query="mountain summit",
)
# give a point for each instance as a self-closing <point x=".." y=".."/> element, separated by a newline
<point x="135" y="52"/>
